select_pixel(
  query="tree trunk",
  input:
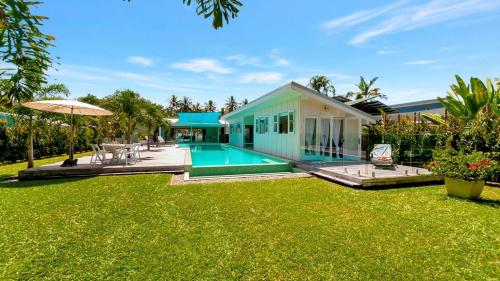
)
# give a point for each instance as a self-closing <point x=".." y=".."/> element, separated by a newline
<point x="149" y="137"/>
<point x="129" y="131"/>
<point x="30" y="143"/>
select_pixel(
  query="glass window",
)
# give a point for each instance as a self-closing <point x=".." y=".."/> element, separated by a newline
<point x="283" y="123"/>
<point x="239" y="128"/>
<point x="267" y="124"/>
<point x="290" y="122"/>
<point x="275" y="123"/>
<point x="262" y="126"/>
<point x="256" y="125"/>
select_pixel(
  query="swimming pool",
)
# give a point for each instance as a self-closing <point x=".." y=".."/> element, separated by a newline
<point x="220" y="159"/>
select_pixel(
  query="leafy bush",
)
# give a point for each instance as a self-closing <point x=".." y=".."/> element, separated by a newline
<point x="465" y="166"/>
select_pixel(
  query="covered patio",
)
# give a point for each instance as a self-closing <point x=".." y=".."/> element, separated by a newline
<point x="200" y="127"/>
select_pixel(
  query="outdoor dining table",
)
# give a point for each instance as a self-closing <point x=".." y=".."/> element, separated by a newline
<point x="115" y="149"/>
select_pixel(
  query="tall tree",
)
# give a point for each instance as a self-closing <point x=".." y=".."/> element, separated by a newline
<point x="231" y="104"/>
<point x="23" y="48"/>
<point x="197" y="107"/>
<point x="366" y="90"/>
<point x="127" y="104"/>
<point x="151" y="116"/>
<point x="322" y="84"/>
<point x="185" y="105"/>
<point x="50" y="91"/>
<point x="218" y="10"/>
<point x="210" y="106"/>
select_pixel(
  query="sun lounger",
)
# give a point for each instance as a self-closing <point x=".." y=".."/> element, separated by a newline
<point x="381" y="155"/>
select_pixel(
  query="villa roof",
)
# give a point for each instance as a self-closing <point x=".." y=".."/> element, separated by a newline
<point x="297" y="88"/>
<point x="197" y="120"/>
<point x="372" y="106"/>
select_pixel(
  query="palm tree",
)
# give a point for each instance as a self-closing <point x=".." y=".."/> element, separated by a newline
<point x="466" y="101"/>
<point x="173" y="103"/>
<point x="151" y="116"/>
<point x="210" y="106"/>
<point x="197" y="107"/>
<point x="322" y="85"/>
<point x="366" y="90"/>
<point x="244" y="102"/>
<point x="45" y="92"/>
<point x="231" y="104"/>
<point x="185" y="105"/>
<point x="127" y="104"/>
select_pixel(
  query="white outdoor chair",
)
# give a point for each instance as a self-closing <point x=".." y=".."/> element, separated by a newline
<point x="99" y="154"/>
<point x="381" y="155"/>
<point x="131" y="153"/>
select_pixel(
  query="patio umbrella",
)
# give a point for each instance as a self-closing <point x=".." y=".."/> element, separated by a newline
<point x="72" y="107"/>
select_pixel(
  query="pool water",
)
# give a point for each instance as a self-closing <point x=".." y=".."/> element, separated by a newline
<point x="220" y="155"/>
<point x="220" y="159"/>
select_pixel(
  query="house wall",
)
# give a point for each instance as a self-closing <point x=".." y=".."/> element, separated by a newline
<point x="352" y="137"/>
<point x="236" y="136"/>
<point x="351" y="129"/>
<point x="292" y="145"/>
<point x="284" y="145"/>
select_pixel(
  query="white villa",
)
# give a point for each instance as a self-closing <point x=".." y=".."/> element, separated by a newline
<point x="298" y="123"/>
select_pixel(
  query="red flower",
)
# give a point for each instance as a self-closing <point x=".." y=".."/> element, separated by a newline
<point x="484" y="162"/>
<point x="474" y="167"/>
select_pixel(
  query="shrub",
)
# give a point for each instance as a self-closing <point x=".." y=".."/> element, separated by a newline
<point x="465" y="166"/>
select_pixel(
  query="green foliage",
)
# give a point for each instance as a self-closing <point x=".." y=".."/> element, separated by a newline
<point x="322" y="85"/>
<point x="411" y="142"/>
<point x="141" y="228"/>
<point x="231" y="104"/>
<point x="366" y="90"/>
<point x="24" y="49"/>
<point x="466" y="101"/>
<point x="465" y="166"/>
<point x="218" y="10"/>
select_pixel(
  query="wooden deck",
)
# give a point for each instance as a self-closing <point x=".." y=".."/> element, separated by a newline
<point x="168" y="159"/>
<point x="365" y="175"/>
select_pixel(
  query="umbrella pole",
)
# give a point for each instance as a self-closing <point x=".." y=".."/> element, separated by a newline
<point x="71" y="137"/>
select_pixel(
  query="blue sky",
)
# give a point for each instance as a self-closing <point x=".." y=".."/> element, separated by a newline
<point x="160" y="47"/>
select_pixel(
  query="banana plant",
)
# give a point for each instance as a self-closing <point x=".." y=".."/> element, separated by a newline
<point x="466" y="101"/>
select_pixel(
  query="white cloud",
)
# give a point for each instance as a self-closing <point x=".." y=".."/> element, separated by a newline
<point x="202" y="65"/>
<point x="417" y="16"/>
<point x="358" y="17"/>
<point x="275" y="55"/>
<point x="386" y="52"/>
<point x="244" y="60"/>
<point x="262" y="77"/>
<point x="420" y="62"/>
<point x="138" y="60"/>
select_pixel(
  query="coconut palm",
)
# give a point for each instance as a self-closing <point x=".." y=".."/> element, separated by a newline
<point x="185" y="105"/>
<point x="231" y="104"/>
<point x="366" y="90"/>
<point x="210" y="106"/>
<point x="127" y="104"/>
<point x="151" y="116"/>
<point x="322" y="85"/>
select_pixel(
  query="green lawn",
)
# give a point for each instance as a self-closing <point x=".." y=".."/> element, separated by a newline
<point x="10" y="170"/>
<point x="140" y="227"/>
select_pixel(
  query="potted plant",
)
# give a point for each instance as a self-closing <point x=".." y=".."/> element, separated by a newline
<point x="464" y="174"/>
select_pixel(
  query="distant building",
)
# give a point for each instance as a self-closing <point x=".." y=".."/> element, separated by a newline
<point x="425" y="106"/>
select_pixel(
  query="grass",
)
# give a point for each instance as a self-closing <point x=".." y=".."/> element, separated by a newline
<point x="9" y="170"/>
<point x="139" y="227"/>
